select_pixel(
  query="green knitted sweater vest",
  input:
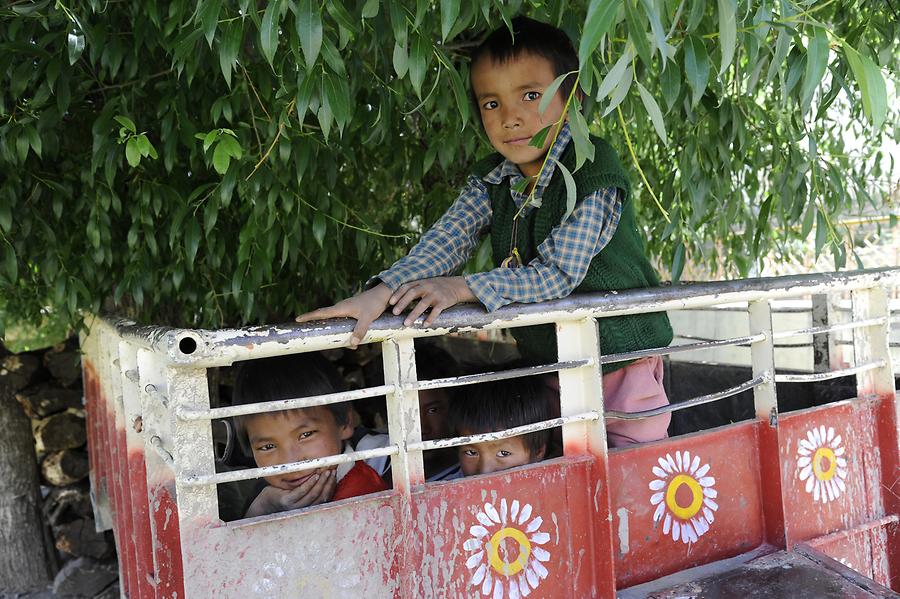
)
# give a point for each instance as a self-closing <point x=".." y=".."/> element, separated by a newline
<point x="622" y="264"/>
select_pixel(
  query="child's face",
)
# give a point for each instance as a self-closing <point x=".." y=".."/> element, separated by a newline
<point x="508" y="95"/>
<point x="292" y="436"/>
<point x="493" y="456"/>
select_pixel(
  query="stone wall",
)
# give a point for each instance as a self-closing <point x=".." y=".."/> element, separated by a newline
<point x="47" y="387"/>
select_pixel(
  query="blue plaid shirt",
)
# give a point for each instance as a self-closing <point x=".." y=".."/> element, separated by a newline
<point x="562" y="259"/>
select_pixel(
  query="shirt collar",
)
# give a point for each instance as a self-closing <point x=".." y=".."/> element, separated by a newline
<point x="507" y="168"/>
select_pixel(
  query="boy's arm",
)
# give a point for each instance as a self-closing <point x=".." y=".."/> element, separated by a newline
<point x="563" y="258"/>
<point x="441" y="251"/>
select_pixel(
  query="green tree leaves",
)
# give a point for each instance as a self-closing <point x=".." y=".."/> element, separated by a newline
<point x="302" y="146"/>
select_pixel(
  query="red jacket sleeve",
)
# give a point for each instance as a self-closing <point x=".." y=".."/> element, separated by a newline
<point x="361" y="480"/>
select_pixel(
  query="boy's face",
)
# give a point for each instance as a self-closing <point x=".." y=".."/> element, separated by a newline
<point x="292" y="436"/>
<point x="508" y="95"/>
<point x="494" y="456"/>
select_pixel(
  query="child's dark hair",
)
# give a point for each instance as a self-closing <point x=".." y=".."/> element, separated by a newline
<point x="531" y="37"/>
<point x="499" y="405"/>
<point x="285" y="377"/>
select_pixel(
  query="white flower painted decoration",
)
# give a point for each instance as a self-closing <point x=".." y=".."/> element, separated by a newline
<point x="821" y="462"/>
<point x="507" y="560"/>
<point x="684" y="496"/>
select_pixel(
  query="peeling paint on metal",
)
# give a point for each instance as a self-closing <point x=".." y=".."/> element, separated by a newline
<point x="622" y="512"/>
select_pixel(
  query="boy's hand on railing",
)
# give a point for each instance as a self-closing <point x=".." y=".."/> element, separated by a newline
<point x="438" y="294"/>
<point x="365" y="308"/>
<point x="317" y="489"/>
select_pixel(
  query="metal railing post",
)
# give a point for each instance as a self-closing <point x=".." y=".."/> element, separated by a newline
<point x="870" y="343"/>
<point x="580" y="391"/>
<point x="407" y="468"/>
<point x="762" y="359"/>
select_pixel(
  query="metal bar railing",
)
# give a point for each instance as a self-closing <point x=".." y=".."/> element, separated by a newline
<point x="843" y="326"/>
<point x="253" y="473"/>
<point x="831" y="374"/>
<point x="674" y="349"/>
<point x="691" y="403"/>
<point x="500" y="375"/>
<point x="707" y="340"/>
<point x="204" y="348"/>
<point x="283" y="404"/>
<point x="504" y="434"/>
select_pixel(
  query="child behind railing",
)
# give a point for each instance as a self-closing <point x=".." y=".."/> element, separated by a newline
<point x="496" y="406"/>
<point x="301" y="434"/>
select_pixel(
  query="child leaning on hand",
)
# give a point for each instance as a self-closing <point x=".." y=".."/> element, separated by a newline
<point x="598" y="247"/>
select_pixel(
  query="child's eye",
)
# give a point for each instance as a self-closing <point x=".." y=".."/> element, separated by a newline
<point x="503" y="453"/>
<point x="266" y="447"/>
<point x="307" y="434"/>
<point x="532" y="96"/>
<point x="470" y="453"/>
<point x="490" y="105"/>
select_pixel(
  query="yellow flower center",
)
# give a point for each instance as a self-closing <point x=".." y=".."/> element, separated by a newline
<point x="824" y="456"/>
<point x="497" y="562"/>
<point x="685" y="513"/>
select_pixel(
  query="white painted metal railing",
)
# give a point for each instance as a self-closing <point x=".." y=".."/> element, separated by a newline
<point x="159" y="375"/>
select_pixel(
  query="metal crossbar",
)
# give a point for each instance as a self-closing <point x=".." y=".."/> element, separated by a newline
<point x="283" y="404"/>
<point x="691" y="403"/>
<point x="252" y="473"/>
<point x="504" y="434"/>
<point x="844" y="326"/>
<point x="831" y="374"/>
<point x="500" y="375"/>
<point x="674" y="349"/>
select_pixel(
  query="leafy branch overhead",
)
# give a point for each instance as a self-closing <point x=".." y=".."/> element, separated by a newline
<point x="231" y="161"/>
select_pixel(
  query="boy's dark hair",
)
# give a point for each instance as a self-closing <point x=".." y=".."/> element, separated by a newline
<point x="530" y="37"/>
<point x="499" y="405"/>
<point x="285" y="377"/>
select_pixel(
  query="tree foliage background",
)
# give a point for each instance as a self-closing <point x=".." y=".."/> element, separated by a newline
<point x="235" y="161"/>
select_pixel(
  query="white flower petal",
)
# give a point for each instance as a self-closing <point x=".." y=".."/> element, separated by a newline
<point x="514" y="510"/>
<point x="525" y="513"/>
<point x="702" y="471"/>
<point x="483" y="518"/>
<point x="491" y="511"/>
<point x="503" y="511"/>
<point x="665" y="465"/>
<point x="804" y="461"/>
<point x="811" y="438"/>
<point x="805" y="472"/>
<point x="712" y="504"/>
<point x="710" y="517"/>
<point x="474" y="560"/>
<point x="687" y="532"/>
<point x="656" y="484"/>
<point x="830" y="434"/>
<point x="671" y="462"/>
<point x="676" y="530"/>
<point x="841" y="462"/>
<point x="822" y="434"/>
<point x="514" y="590"/>
<point x="816" y="490"/>
<point x="479" y="574"/>
<point x="710" y="492"/>
<point x="657" y="498"/>
<point x="667" y="525"/>
<point x="488" y="583"/>
<point x="532" y="577"/>
<point x="678" y="461"/>
<point x="524" y="589"/>
<point x="534" y="524"/>
<point x="540" y="537"/>
<point x="836" y="442"/>
<point x="802" y="449"/>
<point x="657" y="471"/>
<point x="695" y="464"/>
<point x="839" y="451"/>
<point x="539" y="569"/>
<point x="810" y="482"/>
<point x="842" y="473"/>
<point x="700" y="525"/>
<point x="840" y="484"/>
<point x="498" y="590"/>
<point x="478" y="531"/>
<point x="540" y="554"/>
<point x="472" y="544"/>
<point x="707" y="481"/>
<point x="660" y="510"/>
